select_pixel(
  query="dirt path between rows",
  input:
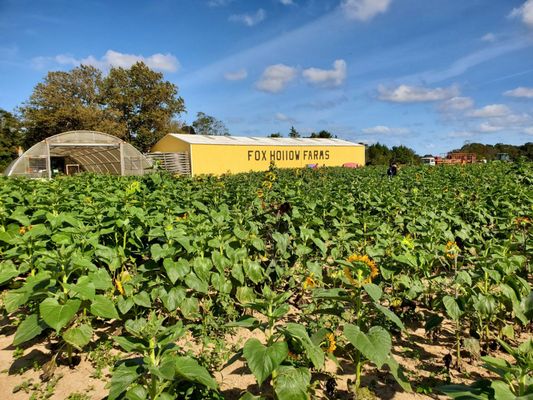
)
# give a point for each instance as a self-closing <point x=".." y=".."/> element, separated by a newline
<point x="421" y="358"/>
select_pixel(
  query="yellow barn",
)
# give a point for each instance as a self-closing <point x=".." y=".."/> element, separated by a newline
<point x="203" y="154"/>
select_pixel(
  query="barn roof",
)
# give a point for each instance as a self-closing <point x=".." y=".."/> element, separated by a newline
<point x="260" y="141"/>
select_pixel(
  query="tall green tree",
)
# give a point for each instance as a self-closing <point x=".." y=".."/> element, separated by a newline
<point x="378" y="154"/>
<point x="135" y="104"/>
<point x="208" y="125"/>
<point x="293" y="133"/>
<point x="145" y="104"/>
<point x="526" y="150"/>
<point x="67" y="101"/>
<point x="404" y="155"/>
<point x="10" y="138"/>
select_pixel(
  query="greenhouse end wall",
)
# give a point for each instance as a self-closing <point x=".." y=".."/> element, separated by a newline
<point x="79" y="151"/>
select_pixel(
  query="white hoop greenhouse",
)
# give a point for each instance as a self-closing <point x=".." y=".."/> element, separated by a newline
<point x="79" y="151"/>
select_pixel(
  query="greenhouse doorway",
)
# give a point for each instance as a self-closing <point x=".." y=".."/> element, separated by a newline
<point x="64" y="165"/>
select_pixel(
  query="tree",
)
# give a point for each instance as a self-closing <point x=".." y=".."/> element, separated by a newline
<point x="67" y="101"/>
<point x="10" y="138"/>
<point x="146" y="104"/>
<point x="135" y="104"/>
<point x="526" y="150"/>
<point x="293" y="133"/>
<point x="276" y="134"/>
<point x="378" y="154"/>
<point x="208" y="125"/>
<point x="489" y="152"/>
<point x="188" y="129"/>
<point x="404" y="155"/>
<point x="322" y="135"/>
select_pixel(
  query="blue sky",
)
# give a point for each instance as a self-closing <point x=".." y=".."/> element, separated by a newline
<point x="429" y="74"/>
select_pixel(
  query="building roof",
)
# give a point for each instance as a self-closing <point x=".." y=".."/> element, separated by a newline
<point x="260" y="141"/>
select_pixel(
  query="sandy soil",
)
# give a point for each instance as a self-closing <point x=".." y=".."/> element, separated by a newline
<point x="421" y="358"/>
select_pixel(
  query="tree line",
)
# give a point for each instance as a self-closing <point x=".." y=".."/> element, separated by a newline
<point x="293" y="133"/>
<point x="490" y="152"/>
<point x="380" y="154"/>
<point x="137" y="105"/>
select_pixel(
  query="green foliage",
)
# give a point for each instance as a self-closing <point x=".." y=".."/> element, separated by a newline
<point x="263" y="360"/>
<point x="208" y="125"/>
<point x="404" y="155"/>
<point x="67" y="101"/>
<point x="379" y="154"/>
<point x="374" y="345"/>
<point x="293" y="133"/>
<point x="161" y="372"/>
<point x="490" y="152"/>
<point x="135" y="104"/>
<point x="10" y="138"/>
<point x="145" y="104"/>
<point x="321" y="135"/>
<point x="327" y="264"/>
<point x="515" y="380"/>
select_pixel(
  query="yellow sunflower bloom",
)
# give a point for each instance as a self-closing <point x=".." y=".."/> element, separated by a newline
<point x="120" y="288"/>
<point x="271" y="176"/>
<point x="309" y="282"/>
<point x="332" y="344"/>
<point x="452" y="250"/>
<point x="267" y="184"/>
<point x="364" y="275"/>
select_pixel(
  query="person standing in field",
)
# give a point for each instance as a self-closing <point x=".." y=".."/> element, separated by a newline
<point x="392" y="171"/>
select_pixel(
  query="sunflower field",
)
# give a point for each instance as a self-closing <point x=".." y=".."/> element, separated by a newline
<point x="287" y="284"/>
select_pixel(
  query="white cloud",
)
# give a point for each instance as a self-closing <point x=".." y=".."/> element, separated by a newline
<point x="364" y="10"/>
<point x="161" y="62"/>
<point x="284" y="118"/>
<point x="489" y="37"/>
<point x="528" y="131"/>
<point x="275" y="78"/>
<point x="488" y="127"/>
<point x="249" y="19"/>
<point x="456" y="104"/>
<point x="385" y="130"/>
<point x="508" y="122"/>
<point x="286" y="2"/>
<point x="327" y="77"/>
<point x="520" y="92"/>
<point x="525" y="12"/>
<point x="513" y="120"/>
<point x="413" y="94"/>
<point x="490" y="111"/>
<point x="238" y="75"/>
<point x="494" y="118"/>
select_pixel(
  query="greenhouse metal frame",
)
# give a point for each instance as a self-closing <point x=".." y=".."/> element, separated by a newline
<point x="77" y="151"/>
